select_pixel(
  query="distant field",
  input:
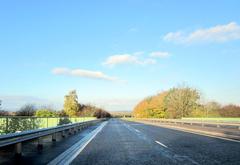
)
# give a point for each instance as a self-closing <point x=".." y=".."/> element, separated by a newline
<point x="121" y="113"/>
<point x="13" y="124"/>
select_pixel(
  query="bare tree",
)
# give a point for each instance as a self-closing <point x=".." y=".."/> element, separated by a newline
<point x="4" y="113"/>
<point x="230" y="111"/>
<point x="212" y="109"/>
<point x="99" y="113"/>
<point x="26" y="110"/>
<point x="181" y="101"/>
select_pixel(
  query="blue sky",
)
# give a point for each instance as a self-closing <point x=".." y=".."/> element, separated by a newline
<point x="116" y="53"/>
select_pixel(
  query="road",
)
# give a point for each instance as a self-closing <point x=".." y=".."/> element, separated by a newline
<point x="124" y="142"/>
<point x="119" y="142"/>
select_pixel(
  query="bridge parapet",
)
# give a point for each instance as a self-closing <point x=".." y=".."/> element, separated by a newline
<point x="19" y="137"/>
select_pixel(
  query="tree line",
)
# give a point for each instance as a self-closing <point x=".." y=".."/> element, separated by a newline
<point x="72" y="108"/>
<point x="182" y="101"/>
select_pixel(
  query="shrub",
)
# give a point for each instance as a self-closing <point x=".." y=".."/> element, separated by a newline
<point x="46" y="113"/>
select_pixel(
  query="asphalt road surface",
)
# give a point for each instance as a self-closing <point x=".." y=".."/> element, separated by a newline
<point x="119" y="142"/>
<point x="123" y="142"/>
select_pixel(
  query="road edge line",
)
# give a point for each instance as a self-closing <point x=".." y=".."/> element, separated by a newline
<point x="71" y="153"/>
<point x="189" y="131"/>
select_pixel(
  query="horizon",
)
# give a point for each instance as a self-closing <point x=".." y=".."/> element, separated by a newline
<point x="119" y="54"/>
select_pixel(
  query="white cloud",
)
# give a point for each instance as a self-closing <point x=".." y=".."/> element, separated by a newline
<point x="159" y="54"/>
<point x="128" y="59"/>
<point x="83" y="73"/>
<point x="219" y="33"/>
<point x="120" y="59"/>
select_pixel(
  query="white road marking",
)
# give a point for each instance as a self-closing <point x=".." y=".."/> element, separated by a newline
<point x="168" y="152"/>
<point x="137" y="130"/>
<point x="161" y="144"/>
<point x="190" y="131"/>
<point x="70" y="154"/>
<point x="199" y="133"/>
<point x="128" y="126"/>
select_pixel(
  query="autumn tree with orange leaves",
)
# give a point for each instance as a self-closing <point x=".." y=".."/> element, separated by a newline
<point x="152" y="107"/>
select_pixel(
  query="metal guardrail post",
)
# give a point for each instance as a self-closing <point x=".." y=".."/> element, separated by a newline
<point x="69" y="131"/>
<point x="54" y="137"/>
<point x="79" y="128"/>
<point x="40" y="143"/>
<point x="63" y="134"/>
<point x="74" y="130"/>
<point x="18" y="149"/>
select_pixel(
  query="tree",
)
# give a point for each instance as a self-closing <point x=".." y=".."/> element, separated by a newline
<point x="151" y="107"/>
<point x="71" y="106"/>
<point x="180" y="102"/>
<point x="21" y="124"/>
<point x="141" y="110"/>
<point x="26" y="110"/>
<point x="99" y="113"/>
<point x="86" y="110"/>
<point x="120" y="114"/>
<point x="199" y="111"/>
<point x="212" y="109"/>
<point x="46" y="113"/>
<point x="62" y="113"/>
<point x="4" y="113"/>
<point x="230" y="111"/>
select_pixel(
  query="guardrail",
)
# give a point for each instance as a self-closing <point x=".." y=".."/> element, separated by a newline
<point x="234" y="120"/>
<point x="17" y="138"/>
<point x="196" y="123"/>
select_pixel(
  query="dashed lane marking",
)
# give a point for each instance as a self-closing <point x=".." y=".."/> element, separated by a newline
<point x="137" y="130"/>
<point x="161" y="144"/>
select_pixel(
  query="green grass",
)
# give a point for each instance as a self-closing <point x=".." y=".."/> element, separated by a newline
<point x="29" y="123"/>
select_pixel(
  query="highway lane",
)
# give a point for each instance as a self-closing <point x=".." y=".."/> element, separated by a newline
<point x="203" y="149"/>
<point x="124" y="142"/>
